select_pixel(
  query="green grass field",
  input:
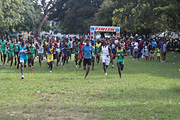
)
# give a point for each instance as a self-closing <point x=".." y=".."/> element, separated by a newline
<point x="148" y="90"/>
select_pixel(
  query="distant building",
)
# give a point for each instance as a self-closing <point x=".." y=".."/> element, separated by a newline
<point x="53" y="23"/>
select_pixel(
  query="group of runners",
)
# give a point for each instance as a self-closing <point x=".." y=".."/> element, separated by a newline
<point x="60" y="50"/>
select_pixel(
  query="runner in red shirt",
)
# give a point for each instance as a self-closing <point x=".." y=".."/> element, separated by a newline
<point x="139" y="49"/>
<point x="80" y="56"/>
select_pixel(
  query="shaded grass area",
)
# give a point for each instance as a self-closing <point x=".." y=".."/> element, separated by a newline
<point x="148" y="90"/>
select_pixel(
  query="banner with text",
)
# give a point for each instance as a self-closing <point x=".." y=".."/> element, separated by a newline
<point x="104" y="29"/>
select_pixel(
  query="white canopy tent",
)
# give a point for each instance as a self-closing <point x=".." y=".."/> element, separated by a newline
<point x="168" y="34"/>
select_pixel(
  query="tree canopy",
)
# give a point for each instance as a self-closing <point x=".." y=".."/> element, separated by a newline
<point x="76" y="16"/>
<point x="11" y="13"/>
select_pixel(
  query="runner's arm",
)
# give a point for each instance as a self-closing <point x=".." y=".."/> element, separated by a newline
<point x="109" y="51"/>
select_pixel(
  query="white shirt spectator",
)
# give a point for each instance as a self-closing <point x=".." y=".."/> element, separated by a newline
<point x="164" y="47"/>
<point x="136" y="45"/>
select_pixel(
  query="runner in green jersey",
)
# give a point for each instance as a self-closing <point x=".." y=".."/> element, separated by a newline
<point x="68" y="51"/>
<point x="97" y="49"/>
<point x="31" y="55"/>
<point x="11" y="52"/>
<point x="16" y="51"/>
<point x="120" y="58"/>
<point x="1" y="51"/>
<point x="58" y="51"/>
<point x="3" y="44"/>
<point x="76" y="51"/>
<point x="93" y="55"/>
<point x="5" y="53"/>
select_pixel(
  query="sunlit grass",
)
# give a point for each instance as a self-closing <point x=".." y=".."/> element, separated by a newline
<point x="148" y="90"/>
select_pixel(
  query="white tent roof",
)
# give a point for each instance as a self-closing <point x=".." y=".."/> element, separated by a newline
<point x="168" y="34"/>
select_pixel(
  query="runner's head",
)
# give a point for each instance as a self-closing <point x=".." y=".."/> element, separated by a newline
<point x="87" y="42"/>
<point x="12" y="40"/>
<point x="57" y="39"/>
<point x="98" y="41"/>
<point x="76" y="40"/>
<point x="23" y="41"/>
<point x="113" y="40"/>
<point x="2" y="38"/>
<point x="50" y="43"/>
<point x="81" y="41"/>
<point x="104" y="42"/>
<point x="17" y="39"/>
<point x="66" y="40"/>
<point x="119" y="45"/>
<point x="31" y="41"/>
<point x="8" y="38"/>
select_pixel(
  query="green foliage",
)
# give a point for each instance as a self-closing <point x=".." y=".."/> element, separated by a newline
<point x="32" y="15"/>
<point x="105" y="13"/>
<point x="77" y="15"/>
<point x="11" y="13"/>
<point x="146" y="17"/>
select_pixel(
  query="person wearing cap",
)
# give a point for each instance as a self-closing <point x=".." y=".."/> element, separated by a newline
<point x="87" y="55"/>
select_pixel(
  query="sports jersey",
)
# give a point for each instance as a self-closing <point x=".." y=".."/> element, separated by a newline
<point x="93" y="51"/>
<point x="46" y="43"/>
<point x="63" y="49"/>
<point x="58" y="48"/>
<point x="71" y="44"/>
<point x="158" y="53"/>
<point x="49" y="53"/>
<point x="113" y="48"/>
<point x="105" y="55"/>
<point x="11" y="45"/>
<point x="0" y="45"/>
<point x="5" y="51"/>
<point x="41" y="49"/>
<point x="105" y="50"/>
<point x="68" y="45"/>
<point x="3" y="45"/>
<point x="120" y="59"/>
<point x="16" y="47"/>
<point x="87" y="51"/>
<point x="98" y="47"/>
<point x="49" y="50"/>
<point x="32" y="48"/>
<point x="76" y="50"/>
<point x="119" y="53"/>
<point x="43" y="41"/>
<point x="80" y="47"/>
<point x="22" y="50"/>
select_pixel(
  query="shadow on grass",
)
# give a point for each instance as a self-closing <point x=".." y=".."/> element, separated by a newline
<point x="120" y="111"/>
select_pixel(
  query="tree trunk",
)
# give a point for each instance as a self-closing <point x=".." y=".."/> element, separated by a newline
<point x="34" y="31"/>
<point x="39" y="27"/>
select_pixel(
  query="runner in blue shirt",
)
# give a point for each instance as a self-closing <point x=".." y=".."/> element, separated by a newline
<point x="23" y="52"/>
<point x="87" y="54"/>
